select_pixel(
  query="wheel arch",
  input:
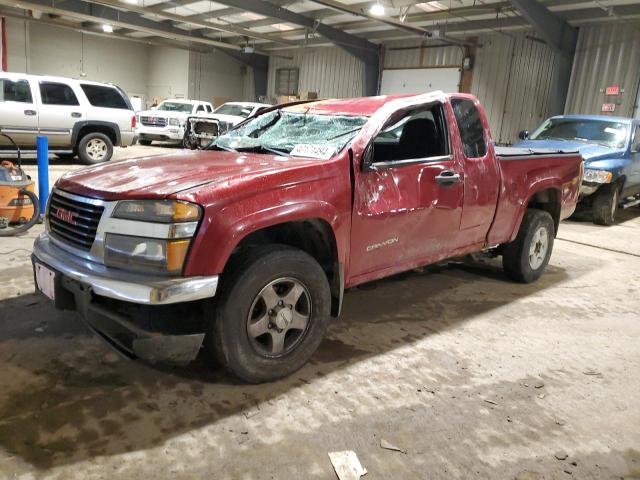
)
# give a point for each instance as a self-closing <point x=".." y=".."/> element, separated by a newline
<point x="549" y="200"/>
<point x="80" y="129"/>
<point x="315" y="236"/>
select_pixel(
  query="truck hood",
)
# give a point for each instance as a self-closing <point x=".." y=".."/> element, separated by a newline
<point x="232" y="119"/>
<point x="589" y="151"/>
<point x="163" y="175"/>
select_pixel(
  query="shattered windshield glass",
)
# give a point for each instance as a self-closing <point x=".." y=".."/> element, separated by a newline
<point x="293" y="133"/>
<point x="607" y="133"/>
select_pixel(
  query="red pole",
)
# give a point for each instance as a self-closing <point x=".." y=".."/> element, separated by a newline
<point x="3" y="47"/>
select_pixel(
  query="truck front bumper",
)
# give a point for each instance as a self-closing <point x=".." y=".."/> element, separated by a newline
<point x="101" y="295"/>
<point x="160" y="133"/>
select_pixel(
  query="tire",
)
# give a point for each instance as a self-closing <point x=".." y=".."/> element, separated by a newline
<point x="66" y="156"/>
<point x="253" y="279"/>
<point x="146" y="143"/>
<point x="605" y="205"/>
<point x="95" y="148"/>
<point x="525" y="259"/>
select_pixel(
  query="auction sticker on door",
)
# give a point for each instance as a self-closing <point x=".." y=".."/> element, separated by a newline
<point x="45" y="280"/>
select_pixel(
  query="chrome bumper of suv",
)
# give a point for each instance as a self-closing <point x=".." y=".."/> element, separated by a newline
<point x="121" y="285"/>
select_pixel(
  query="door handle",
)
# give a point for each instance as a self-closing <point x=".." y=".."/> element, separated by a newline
<point x="30" y="113"/>
<point x="447" y="177"/>
<point x="76" y="114"/>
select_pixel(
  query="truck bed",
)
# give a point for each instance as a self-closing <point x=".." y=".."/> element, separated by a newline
<point x="513" y="153"/>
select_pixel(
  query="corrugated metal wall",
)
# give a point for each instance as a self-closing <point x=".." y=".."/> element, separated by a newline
<point x="512" y="78"/>
<point x="330" y="71"/>
<point x="606" y="55"/>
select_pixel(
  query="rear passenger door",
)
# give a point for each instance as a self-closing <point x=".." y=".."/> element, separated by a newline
<point x="18" y="112"/>
<point x="634" y="182"/>
<point x="59" y="111"/>
<point x="408" y="202"/>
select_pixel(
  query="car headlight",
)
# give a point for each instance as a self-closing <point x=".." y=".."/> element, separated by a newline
<point x="597" y="176"/>
<point x="173" y="225"/>
<point x="174" y="121"/>
<point x="162" y="211"/>
<point x="147" y="255"/>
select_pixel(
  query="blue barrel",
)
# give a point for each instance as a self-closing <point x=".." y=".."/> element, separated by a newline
<point x="42" y="144"/>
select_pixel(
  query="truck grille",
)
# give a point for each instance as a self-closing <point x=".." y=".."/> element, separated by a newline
<point x="73" y="221"/>
<point x="153" y="121"/>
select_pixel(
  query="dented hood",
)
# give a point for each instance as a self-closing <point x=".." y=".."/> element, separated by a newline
<point x="163" y="175"/>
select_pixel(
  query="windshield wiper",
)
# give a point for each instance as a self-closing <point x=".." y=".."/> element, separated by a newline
<point x="258" y="148"/>
<point x="344" y="133"/>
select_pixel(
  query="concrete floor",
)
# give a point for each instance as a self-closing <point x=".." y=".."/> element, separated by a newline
<point x="474" y="376"/>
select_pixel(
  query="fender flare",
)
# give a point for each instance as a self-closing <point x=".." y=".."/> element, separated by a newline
<point x="536" y="187"/>
<point x="98" y="123"/>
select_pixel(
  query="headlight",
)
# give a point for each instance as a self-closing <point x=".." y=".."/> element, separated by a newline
<point x="159" y="243"/>
<point x="174" y="121"/>
<point x="597" y="176"/>
<point x="150" y="255"/>
<point x="161" y="211"/>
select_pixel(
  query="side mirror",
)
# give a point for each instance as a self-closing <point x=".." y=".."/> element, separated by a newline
<point x="523" y="135"/>
<point x="367" y="159"/>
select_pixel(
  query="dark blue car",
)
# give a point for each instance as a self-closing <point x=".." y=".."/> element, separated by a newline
<point x="610" y="147"/>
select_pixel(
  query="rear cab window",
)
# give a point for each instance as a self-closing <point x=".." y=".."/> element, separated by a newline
<point x="53" y="93"/>
<point x="104" y="97"/>
<point x="470" y="126"/>
<point x="15" y="91"/>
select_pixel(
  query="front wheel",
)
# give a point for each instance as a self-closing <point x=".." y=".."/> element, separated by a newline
<point x="146" y="143"/>
<point x="95" y="148"/>
<point x="272" y="313"/>
<point x="525" y="259"/>
<point x="605" y="205"/>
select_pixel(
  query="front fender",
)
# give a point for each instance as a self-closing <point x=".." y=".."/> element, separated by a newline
<point x="222" y="231"/>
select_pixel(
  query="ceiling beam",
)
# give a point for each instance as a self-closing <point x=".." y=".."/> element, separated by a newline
<point x="558" y="34"/>
<point x="161" y="14"/>
<point x="357" y="46"/>
<point x="93" y="13"/>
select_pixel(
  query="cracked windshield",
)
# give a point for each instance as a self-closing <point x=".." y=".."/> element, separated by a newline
<point x="293" y="133"/>
<point x="606" y="133"/>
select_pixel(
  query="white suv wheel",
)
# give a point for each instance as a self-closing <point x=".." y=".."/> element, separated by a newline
<point x="96" y="149"/>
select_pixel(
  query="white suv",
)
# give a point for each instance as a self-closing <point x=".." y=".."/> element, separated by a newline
<point x="79" y="117"/>
<point x="167" y="121"/>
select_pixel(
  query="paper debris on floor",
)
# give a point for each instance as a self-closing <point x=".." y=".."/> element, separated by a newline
<point x="347" y="465"/>
<point x="389" y="446"/>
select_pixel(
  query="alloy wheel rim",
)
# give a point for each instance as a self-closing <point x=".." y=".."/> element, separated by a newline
<point x="538" y="248"/>
<point x="279" y="317"/>
<point x="96" y="149"/>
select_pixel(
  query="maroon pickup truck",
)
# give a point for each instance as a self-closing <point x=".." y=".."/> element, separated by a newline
<point x="247" y="247"/>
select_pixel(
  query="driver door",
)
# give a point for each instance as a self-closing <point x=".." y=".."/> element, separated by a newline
<point x="408" y="202"/>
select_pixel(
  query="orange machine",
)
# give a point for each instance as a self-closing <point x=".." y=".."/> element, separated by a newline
<point x="15" y="205"/>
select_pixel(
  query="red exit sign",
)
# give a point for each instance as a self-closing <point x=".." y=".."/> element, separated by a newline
<point x="615" y="90"/>
<point x="608" y="107"/>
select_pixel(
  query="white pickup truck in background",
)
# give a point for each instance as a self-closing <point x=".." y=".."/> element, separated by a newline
<point x="167" y="121"/>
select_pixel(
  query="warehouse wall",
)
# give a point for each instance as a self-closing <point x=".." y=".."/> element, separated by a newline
<point x="215" y="75"/>
<point x="18" y="43"/>
<point x="168" y="73"/>
<point x="330" y="71"/>
<point x="511" y="77"/>
<point x="606" y="55"/>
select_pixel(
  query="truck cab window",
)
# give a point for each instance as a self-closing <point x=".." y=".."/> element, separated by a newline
<point x="415" y="135"/>
<point x="200" y="109"/>
<point x="471" y="128"/>
<point x="11" y="91"/>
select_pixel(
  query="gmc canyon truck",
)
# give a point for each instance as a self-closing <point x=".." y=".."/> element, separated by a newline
<point x="248" y="247"/>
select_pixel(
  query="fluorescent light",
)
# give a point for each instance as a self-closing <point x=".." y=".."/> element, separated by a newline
<point x="376" y="9"/>
<point x="132" y="2"/>
<point x="107" y="28"/>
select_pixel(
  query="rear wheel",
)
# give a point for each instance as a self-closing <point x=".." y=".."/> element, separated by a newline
<point x="525" y="259"/>
<point x="95" y="148"/>
<point x="605" y="205"/>
<point x="146" y="143"/>
<point x="272" y="313"/>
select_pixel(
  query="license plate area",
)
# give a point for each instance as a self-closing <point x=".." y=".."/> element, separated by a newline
<point x="45" y="280"/>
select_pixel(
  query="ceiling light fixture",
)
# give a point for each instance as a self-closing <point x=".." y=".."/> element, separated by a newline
<point x="132" y="2"/>
<point x="107" y="28"/>
<point x="377" y="9"/>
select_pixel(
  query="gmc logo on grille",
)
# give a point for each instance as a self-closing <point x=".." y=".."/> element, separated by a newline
<point x="66" y="216"/>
